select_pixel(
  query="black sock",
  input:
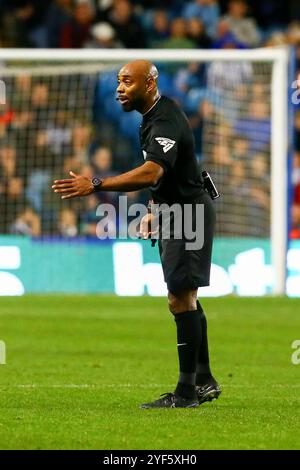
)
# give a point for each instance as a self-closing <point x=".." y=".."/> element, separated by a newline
<point x="188" y="341"/>
<point x="203" y="375"/>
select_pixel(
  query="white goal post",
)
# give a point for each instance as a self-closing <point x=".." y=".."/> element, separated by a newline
<point x="278" y="57"/>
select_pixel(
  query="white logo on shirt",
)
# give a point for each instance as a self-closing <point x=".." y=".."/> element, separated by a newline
<point x="145" y="154"/>
<point x="167" y="144"/>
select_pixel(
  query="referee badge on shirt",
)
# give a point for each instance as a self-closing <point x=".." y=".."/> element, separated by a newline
<point x="166" y="143"/>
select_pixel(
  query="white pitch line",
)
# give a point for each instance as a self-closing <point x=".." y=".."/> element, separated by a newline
<point x="98" y="386"/>
<point x="149" y="385"/>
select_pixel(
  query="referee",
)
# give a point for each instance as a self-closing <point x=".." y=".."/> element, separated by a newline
<point x="173" y="175"/>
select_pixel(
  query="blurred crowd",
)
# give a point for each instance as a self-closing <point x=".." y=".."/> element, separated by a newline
<point x="42" y="137"/>
<point x="54" y="123"/>
<point x="141" y="23"/>
<point x="47" y="129"/>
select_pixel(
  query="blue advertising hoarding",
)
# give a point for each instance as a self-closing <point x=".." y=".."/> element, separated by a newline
<point x="240" y="266"/>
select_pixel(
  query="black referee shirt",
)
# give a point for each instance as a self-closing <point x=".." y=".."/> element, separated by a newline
<point x="167" y="139"/>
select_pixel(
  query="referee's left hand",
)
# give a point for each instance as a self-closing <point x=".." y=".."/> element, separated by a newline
<point x="76" y="187"/>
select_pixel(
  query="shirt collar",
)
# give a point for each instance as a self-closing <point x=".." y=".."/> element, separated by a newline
<point x="145" y="114"/>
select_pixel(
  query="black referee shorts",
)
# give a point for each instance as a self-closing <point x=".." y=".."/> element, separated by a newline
<point x="189" y="269"/>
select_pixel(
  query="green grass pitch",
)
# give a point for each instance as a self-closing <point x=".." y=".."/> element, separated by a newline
<point x="77" y="369"/>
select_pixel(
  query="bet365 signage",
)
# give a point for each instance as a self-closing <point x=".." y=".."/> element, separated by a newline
<point x="10" y="260"/>
<point x="133" y="268"/>
<point x="240" y="277"/>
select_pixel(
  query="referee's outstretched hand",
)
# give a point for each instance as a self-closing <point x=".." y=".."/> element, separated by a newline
<point x="76" y="187"/>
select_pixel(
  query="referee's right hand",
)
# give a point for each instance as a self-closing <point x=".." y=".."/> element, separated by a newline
<point x="148" y="226"/>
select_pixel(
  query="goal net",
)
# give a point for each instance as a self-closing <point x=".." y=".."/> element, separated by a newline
<point x="60" y="115"/>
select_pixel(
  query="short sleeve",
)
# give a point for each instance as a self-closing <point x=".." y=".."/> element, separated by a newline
<point x="163" y="144"/>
